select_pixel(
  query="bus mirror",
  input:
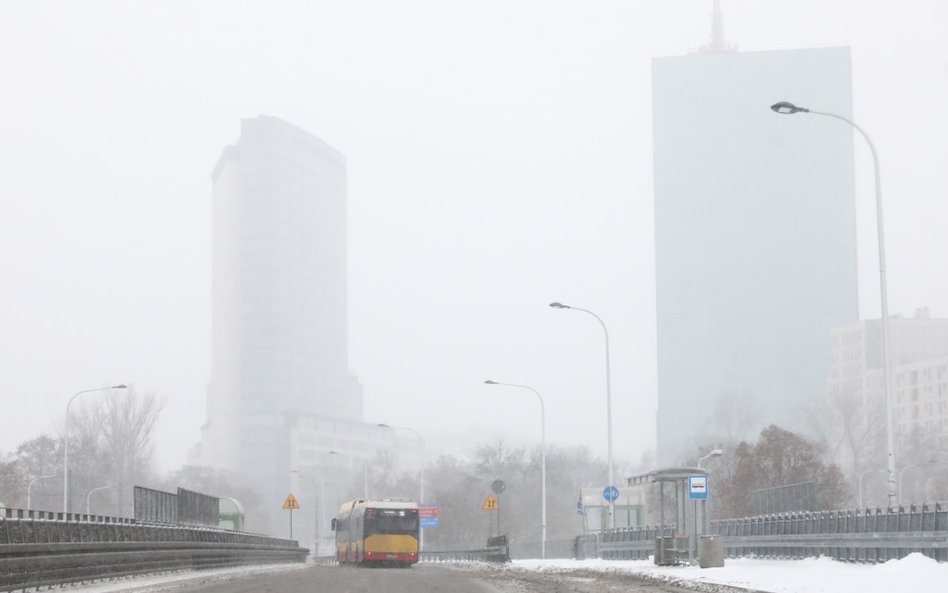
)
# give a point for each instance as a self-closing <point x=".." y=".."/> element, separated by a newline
<point x="333" y="525"/>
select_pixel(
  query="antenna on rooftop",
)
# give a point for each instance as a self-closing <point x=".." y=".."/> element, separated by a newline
<point x="717" y="44"/>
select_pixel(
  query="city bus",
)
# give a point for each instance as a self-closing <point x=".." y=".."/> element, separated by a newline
<point x="377" y="533"/>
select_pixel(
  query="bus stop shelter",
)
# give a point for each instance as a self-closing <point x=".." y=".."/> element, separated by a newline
<point x="689" y="484"/>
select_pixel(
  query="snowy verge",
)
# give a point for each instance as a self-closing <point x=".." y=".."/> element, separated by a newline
<point x="915" y="572"/>
<point x="155" y="583"/>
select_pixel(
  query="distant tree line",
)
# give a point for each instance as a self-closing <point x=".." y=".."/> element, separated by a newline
<point x="111" y="446"/>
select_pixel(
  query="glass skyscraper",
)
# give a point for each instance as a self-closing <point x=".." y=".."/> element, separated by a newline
<point x="755" y="239"/>
<point x="281" y="394"/>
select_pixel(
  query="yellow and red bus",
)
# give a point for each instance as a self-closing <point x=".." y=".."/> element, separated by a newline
<point x="377" y="532"/>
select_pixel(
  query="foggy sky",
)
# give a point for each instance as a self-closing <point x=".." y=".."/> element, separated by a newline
<point x="499" y="158"/>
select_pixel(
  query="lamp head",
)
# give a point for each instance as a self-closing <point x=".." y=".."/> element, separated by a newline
<point x="788" y="108"/>
<point x="382" y="425"/>
<point x="559" y="305"/>
<point x="490" y="382"/>
<point x="716" y="453"/>
<point x="120" y="387"/>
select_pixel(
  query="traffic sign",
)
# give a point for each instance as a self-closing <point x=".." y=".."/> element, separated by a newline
<point x="291" y="502"/>
<point x="490" y="504"/>
<point x="610" y="493"/>
<point x="697" y="487"/>
<point x="427" y="511"/>
<point x="498" y="487"/>
<point x="428" y="522"/>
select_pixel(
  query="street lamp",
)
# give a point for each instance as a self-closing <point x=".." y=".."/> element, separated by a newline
<point x="902" y="471"/>
<point x="542" y="460"/>
<point x="89" y="498"/>
<point x="861" y="476"/>
<point x="787" y="108"/>
<point x="365" y="471"/>
<point x="66" y="443"/>
<point x="421" y="494"/>
<point x="704" y="514"/>
<point x="29" y="489"/>
<point x="713" y="453"/>
<point x="612" y="503"/>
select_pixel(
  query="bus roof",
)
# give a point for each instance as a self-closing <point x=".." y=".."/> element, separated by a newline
<point x="383" y="503"/>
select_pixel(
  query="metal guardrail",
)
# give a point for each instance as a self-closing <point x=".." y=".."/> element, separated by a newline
<point x="488" y="554"/>
<point x="631" y="543"/>
<point x="856" y="535"/>
<point x="43" y="551"/>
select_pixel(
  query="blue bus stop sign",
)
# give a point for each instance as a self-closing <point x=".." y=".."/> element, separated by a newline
<point x="610" y="493"/>
<point x="698" y="487"/>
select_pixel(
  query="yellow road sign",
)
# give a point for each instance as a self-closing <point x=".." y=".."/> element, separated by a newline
<point x="490" y="504"/>
<point x="291" y="502"/>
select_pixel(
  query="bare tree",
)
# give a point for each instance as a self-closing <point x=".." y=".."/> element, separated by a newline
<point x="112" y="440"/>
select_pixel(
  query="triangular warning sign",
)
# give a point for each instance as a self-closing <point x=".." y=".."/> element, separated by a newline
<point x="291" y="502"/>
<point x="490" y="504"/>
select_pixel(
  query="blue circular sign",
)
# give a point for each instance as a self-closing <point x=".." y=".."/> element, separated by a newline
<point x="610" y="493"/>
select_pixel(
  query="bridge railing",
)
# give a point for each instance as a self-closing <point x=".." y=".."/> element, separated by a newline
<point x="854" y="535"/>
<point x="43" y="549"/>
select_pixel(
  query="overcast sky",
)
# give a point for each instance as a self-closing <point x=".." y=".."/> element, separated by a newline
<point x="499" y="158"/>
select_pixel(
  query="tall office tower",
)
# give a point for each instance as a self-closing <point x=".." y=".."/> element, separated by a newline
<point x="755" y="240"/>
<point x="279" y="363"/>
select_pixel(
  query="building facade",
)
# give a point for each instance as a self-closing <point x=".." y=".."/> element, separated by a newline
<point x="755" y="240"/>
<point x="919" y="357"/>
<point x="281" y="394"/>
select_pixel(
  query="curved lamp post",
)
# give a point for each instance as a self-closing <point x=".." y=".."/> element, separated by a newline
<point x="421" y="493"/>
<point x="787" y="108"/>
<point x="612" y="504"/>
<point x="914" y="466"/>
<point x="365" y="471"/>
<point x="542" y="460"/>
<point x="66" y="443"/>
<point x="704" y="514"/>
<point x="861" y="476"/>
<point x="89" y="497"/>
<point x="29" y="489"/>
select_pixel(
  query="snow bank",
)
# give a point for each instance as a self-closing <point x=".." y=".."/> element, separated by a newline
<point x="813" y="575"/>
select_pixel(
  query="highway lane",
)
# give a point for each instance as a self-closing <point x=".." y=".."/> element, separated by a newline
<point x="423" y="578"/>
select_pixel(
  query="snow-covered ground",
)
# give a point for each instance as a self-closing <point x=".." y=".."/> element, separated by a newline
<point x="814" y="575"/>
<point x="166" y="581"/>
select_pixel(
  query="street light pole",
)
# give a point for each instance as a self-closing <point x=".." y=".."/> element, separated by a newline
<point x="421" y="493"/>
<point x="787" y="108"/>
<point x="365" y="471"/>
<point x="612" y="504"/>
<point x="89" y="498"/>
<point x="542" y="460"/>
<point x="66" y="443"/>
<point x="29" y="489"/>
<point x="863" y="475"/>
<point x="902" y="471"/>
<point x="704" y="504"/>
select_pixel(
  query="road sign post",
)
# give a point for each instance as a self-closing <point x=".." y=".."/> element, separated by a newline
<point x="492" y="504"/>
<point x="427" y="516"/>
<point x="697" y="490"/>
<point x="498" y="487"/>
<point x="289" y="504"/>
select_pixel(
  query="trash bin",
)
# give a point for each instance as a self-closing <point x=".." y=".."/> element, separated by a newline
<point x="710" y="551"/>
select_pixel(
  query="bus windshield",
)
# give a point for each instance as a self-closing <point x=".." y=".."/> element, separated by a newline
<point x="391" y="521"/>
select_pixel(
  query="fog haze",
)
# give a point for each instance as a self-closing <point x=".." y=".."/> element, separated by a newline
<point x="499" y="158"/>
